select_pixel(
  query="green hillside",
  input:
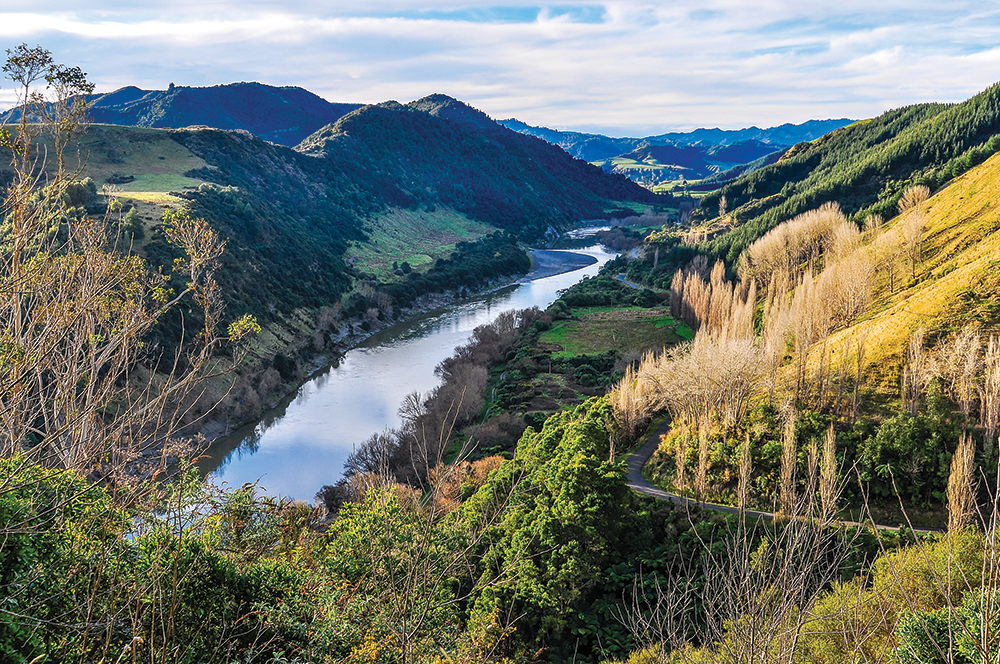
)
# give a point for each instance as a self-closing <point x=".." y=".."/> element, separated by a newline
<point x="438" y="151"/>
<point x="865" y="167"/>
<point x="430" y="174"/>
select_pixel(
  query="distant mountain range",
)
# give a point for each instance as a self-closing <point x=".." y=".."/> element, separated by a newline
<point x="711" y="156"/>
<point x="597" y="147"/>
<point x="283" y="115"/>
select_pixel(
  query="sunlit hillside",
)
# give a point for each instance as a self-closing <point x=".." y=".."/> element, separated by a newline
<point x="957" y="281"/>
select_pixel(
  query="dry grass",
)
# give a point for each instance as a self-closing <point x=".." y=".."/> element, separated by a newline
<point x="955" y="282"/>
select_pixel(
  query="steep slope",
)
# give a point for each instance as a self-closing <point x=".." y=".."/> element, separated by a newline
<point x="865" y="167"/>
<point x="437" y="150"/>
<point x="597" y="147"/>
<point x="957" y="282"/>
<point x="283" y="115"/>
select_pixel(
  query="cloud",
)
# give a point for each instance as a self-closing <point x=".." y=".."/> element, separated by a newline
<point x="620" y="66"/>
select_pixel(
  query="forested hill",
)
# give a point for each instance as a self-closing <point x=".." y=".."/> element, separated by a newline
<point x="437" y="150"/>
<point x="595" y="147"/>
<point x="290" y="214"/>
<point x="283" y="115"/>
<point x="865" y="167"/>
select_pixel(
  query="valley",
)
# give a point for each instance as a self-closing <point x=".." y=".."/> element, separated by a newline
<point x="287" y="380"/>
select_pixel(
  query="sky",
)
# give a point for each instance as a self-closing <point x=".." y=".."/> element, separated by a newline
<point x="624" y="68"/>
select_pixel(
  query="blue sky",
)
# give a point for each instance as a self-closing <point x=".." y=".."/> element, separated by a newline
<point x="624" y="67"/>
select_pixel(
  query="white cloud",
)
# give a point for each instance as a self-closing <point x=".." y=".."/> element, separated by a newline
<point x="622" y="66"/>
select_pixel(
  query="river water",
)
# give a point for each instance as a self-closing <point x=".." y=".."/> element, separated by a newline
<point x="302" y="444"/>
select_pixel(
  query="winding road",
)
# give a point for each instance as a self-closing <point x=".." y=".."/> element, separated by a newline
<point x="638" y="483"/>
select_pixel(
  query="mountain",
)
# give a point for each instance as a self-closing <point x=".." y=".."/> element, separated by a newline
<point x="441" y="151"/>
<point x="865" y="167"/>
<point x="283" y="115"/>
<point x="597" y="147"/>
<point x="290" y="215"/>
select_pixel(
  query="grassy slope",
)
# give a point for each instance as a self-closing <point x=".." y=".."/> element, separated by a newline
<point x="418" y="237"/>
<point x="865" y="167"/>
<point x="957" y="282"/>
<point x="150" y="156"/>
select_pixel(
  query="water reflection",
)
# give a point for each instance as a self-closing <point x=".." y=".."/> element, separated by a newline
<point x="302" y="443"/>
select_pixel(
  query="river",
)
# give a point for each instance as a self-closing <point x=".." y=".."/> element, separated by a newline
<point x="302" y="444"/>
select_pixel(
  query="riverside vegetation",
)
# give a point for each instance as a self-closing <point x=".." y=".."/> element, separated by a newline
<point x="821" y="384"/>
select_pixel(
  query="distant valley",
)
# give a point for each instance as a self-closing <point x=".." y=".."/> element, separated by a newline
<point x="714" y="156"/>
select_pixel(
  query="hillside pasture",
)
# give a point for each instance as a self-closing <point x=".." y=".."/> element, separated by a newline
<point x="418" y="237"/>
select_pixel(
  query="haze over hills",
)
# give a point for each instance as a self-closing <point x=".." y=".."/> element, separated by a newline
<point x="717" y="155"/>
<point x="283" y="115"/>
<point x="596" y="147"/>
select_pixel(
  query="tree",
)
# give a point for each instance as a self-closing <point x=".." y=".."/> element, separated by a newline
<point x="83" y="395"/>
<point x="912" y="230"/>
<point x="80" y="387"/>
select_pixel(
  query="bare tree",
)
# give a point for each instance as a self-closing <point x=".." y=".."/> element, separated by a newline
<point x="789" y="459"/>
<point x="962" y="485"/>
<point x="746" y="467"/>
<point x="958" y="361"/>
<point x="873" y="222"/>
<point x="912" y="230"/>
<point x="829" y="486"/>
<point x="786" y="246"/>
<point x="759" y="598"/>
<point x="887" y="249"/>
<point x="82" y="384"/>
<point x="915" y="372"/>
<point x="630" y="402"/>
<point x="913" y="197"/>
<point x="990" y="400"/>
<point x="859" y="358"/>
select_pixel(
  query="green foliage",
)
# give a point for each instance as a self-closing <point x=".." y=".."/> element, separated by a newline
<point x="82" y="577"/>
<point x="573" y="540"/>
<point x="605" y="290"/>
<point x="912" y="454"/>
<point x="902" y="604"/>
<point x="405" y="567"/>
<point x="132" y="225"/>
<point x="952" y="635"/>
<point x="472" y="264"/>
<point x="80" y="193"/>
<point x="51" y="522"/>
